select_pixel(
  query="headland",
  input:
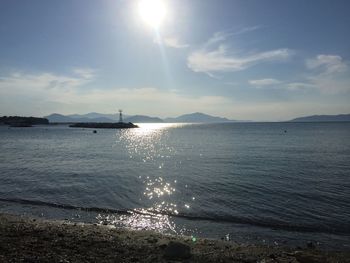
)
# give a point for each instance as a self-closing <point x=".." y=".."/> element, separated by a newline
<point x="18" y="121"/>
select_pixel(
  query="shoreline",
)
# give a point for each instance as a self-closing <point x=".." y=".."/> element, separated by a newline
<point x="29" y="239"/>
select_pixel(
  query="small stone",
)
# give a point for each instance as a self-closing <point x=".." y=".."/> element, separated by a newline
<point x="162" y="244"/>
<point x="177" y="250"/>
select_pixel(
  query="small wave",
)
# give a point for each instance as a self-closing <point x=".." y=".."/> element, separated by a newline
<point x="64" y="206"/>
<point x="273" y="224"/>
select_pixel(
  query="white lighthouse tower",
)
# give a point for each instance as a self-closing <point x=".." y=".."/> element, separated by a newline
<point x="120" y="116"/>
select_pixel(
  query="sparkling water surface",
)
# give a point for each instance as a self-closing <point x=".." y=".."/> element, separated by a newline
<point x="251" y="182"/>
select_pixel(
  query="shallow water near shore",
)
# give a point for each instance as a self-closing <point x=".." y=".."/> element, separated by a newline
<point x="276" y="183"/>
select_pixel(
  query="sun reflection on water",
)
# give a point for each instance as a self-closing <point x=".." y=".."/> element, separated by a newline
<point x="148" y="146"/>
<point x="139" y="219"/>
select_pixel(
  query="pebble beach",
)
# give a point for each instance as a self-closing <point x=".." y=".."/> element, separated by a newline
<point x="24" y="239"/>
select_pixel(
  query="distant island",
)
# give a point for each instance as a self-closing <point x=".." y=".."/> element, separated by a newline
<point x="323" y="118"/>
<point x="18" y="121"/>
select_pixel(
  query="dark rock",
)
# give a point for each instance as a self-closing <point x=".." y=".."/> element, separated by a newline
<point x="30" y="260"/>
<point x="250" y="259"/>
<point x="177" y="250"/>
<point x="162" y="244"/>
<point x="307" y="258"/>
<point x="310" y="245"/>
<point x="273" y="256"/>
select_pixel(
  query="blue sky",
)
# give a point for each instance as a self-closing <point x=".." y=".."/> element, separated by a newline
<point x="257" y="60"/>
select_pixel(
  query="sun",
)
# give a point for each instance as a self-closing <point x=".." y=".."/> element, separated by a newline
<point x="152" y="12"/>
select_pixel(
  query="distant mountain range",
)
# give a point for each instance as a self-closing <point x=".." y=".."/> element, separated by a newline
<point x="143" y="119"/>
<point x="96" y="115"/>
<point x="55" y="117"/>
<point x="323" y="118"/>
<point x="196" y="117"/>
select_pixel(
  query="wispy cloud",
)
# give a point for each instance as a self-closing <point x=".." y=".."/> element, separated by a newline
<point x="224" y="35"/>
<point x="46" y="80"/>
<point x="215" y="56"/>
<point x="219" y="60"/>
<point x="271" y="83"/>
<point x="172" y="42"/>
<point x="326" y="74"/>
<point x="329" y="73"/>
<point x="65" y="94"/>
<point x="327" y="64"/>
<point x="248" y="29"/>
<point x="264" y="82"/>
<point x="299" y="86"/>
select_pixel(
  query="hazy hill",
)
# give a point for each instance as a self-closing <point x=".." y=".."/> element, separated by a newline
<point x="100" y="117"/>
<point x="96" y="115"/>
<point x="323" y="118"/>
<point x="143" y="119"/>
<point x="196" y="117"/>
<point x="55" y="117"/>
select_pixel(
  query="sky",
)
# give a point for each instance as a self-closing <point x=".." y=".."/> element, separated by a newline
<point x="257" y="60"/>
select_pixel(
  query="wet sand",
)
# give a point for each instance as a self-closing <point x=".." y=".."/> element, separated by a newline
<point x="25" y="239"/>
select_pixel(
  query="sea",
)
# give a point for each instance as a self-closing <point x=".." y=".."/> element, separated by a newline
<point x="253" y="183"/>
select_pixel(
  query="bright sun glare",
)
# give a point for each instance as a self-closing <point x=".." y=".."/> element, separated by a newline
<point x="152" y="12"/>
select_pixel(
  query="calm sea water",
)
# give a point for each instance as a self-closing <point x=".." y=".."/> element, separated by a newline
<point x="249" y="182"/>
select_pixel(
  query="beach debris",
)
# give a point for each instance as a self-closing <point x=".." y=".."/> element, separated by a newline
<point x="177" y="250"/>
